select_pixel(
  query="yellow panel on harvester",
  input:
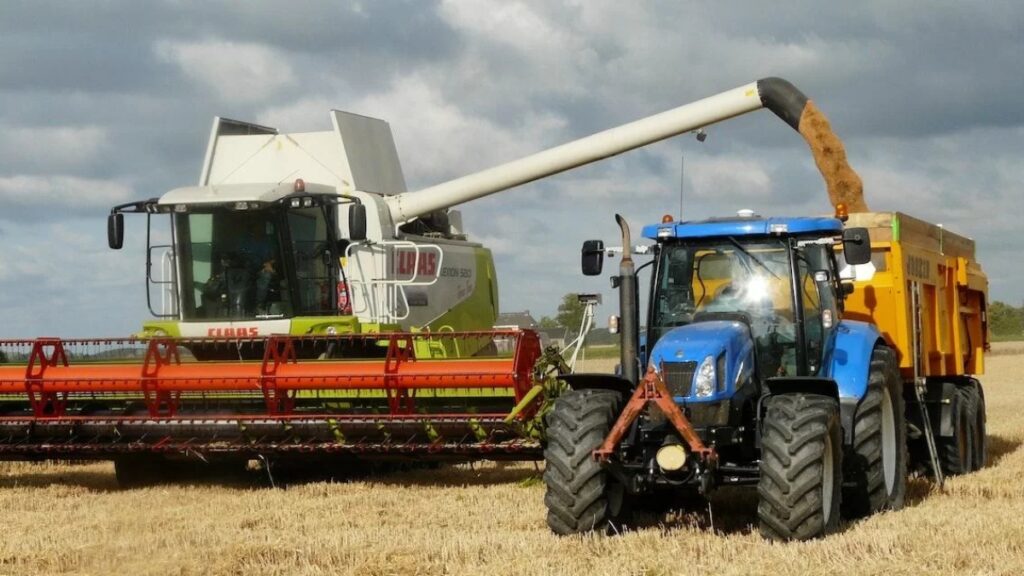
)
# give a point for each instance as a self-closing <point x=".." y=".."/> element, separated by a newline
<point x="927" y="296"/>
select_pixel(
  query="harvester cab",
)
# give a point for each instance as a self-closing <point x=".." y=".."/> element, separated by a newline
<point x="293" y="234"/>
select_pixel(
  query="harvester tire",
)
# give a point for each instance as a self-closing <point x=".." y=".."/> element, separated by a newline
<point x="139" y="471"/>
<point x="801" y="467"/>
<point x="875" y="472"/>
<point x="582" y="496"/>
<point x="956" y="452"/>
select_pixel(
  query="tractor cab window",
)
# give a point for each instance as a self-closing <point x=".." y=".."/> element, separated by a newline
<point x="817" y="294"/>
<point x="730" y="279"/>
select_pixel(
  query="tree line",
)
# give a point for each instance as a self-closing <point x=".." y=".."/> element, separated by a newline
<point x="1005" y="321"/>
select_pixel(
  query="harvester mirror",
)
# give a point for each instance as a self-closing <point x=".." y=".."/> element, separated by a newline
<point x="357" y="222"/>
<point x="592" y="258"/>
<point x="856" y="246"/>
<point x="115" y="230"/>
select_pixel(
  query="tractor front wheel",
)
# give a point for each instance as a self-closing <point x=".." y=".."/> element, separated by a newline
<point x="581" y="494"/>
<point x="801" y="467"/>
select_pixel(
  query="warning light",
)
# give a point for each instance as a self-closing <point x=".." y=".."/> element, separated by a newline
<point x="667" y="219"/>
<point x="841" y="213"/>
<point x="300" y="185"/>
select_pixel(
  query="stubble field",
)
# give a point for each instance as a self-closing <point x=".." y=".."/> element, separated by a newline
<point x="489" y="519"/>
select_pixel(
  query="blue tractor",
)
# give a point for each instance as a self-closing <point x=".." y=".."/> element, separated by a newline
<point x="746" y="374"/>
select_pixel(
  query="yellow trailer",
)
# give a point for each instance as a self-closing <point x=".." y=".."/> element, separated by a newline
<point x="927" y="294"/>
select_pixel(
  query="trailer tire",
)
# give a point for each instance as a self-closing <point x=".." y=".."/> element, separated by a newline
<point x="956" y="452"/>
<point x="801" y="467"/>
<point x="977" y="410"/>
<point x="875" y="475"/>
<point x="582" y="496"/>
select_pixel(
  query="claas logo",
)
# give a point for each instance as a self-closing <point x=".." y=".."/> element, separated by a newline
<point x="233" y="331"/>
<point x="406" y="263"/>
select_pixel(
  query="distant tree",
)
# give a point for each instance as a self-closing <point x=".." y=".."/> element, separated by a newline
<point x="3" y="357"/>
<point x="547" y="322"/>
<point x="570" y="312"/>
<point x="1005" y="320"/>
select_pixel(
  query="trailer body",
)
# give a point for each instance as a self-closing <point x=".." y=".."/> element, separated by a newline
<point x="925" y="287"/>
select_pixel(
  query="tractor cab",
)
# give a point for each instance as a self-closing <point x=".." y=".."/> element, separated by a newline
<point x="771" y="282"/>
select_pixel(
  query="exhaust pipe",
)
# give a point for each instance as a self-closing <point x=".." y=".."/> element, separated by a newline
<point x="629" y="327"/>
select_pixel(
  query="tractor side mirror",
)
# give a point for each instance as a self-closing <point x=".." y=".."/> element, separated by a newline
<point x="856" y="246"/>
<point x="357" y="222"/>
<point x="115" y="230"/>
<point x="592" y="257"/>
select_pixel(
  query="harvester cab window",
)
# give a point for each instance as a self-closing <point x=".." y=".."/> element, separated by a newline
<point x="314" y="260"/>
<point x="232" y="260"/>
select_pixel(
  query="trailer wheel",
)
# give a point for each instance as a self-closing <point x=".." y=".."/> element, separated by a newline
<point x="956" y="452"/>
<point x="876" y="466"/>
<point x="977" y="409"/>
<point x="801" y="467"/>
<point x="581" y="495"/>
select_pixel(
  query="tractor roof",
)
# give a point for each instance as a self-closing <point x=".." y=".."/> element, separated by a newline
<point x="743" y="226"/>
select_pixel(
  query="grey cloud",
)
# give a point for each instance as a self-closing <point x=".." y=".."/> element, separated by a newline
<point x="924" y="97"/>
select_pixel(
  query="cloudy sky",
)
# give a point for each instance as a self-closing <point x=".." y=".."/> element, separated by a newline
<point x="110" y="101"/>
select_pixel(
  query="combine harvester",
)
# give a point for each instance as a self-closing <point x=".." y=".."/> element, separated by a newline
<point x="313" y="310"/>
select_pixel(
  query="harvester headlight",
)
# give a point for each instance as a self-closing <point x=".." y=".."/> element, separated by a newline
<point x="705" y="380"/>
<point x="294" y="202"/>
<point x="671" y="457"/>
<point x="307" y="202"/>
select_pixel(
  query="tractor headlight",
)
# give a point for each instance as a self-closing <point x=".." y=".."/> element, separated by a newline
<point x="704" y="384"/>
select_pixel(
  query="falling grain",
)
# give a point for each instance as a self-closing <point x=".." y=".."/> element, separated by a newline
<point x="844" y="185"/>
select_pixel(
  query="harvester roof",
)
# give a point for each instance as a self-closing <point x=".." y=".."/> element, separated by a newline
<point x="228" y="193"/>
<point x="743" y="226"/>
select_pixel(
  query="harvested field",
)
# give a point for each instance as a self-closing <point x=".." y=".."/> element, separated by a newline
<point x="489" y="519"/>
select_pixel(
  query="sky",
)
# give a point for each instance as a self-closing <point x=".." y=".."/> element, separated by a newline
<point x="105" y="102"/>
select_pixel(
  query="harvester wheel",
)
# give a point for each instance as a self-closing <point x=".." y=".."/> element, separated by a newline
<point x="581" y="495"/>
<point x="139" y="471"/>
<point x="876" y="466"/>
<point x="956" y="452"/>
<point x="801" y="467"/>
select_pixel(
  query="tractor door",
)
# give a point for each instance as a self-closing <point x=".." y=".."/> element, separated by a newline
<point x="817" y="297"/>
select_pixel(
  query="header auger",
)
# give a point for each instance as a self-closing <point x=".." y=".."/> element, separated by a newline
<point x="100" y="398"/>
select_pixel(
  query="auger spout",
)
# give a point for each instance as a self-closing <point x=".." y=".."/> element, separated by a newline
<point x="776" y="94"/>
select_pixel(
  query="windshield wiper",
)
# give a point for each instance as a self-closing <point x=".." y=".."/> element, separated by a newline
<point x="751" y="256"/>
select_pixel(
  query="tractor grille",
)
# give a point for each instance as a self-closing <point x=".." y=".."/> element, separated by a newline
<point x="679" y="377"/>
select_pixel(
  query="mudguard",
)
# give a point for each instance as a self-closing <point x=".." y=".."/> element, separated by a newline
<point x="851" y="358"/>
<point x="849" y="365"/>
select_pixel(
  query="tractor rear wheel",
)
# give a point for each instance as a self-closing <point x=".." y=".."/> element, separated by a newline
<point x="876" y="467"/>
<point x="582" y="496"/>
<point x="801" y="467"/>
<point x="956" y="452"/>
